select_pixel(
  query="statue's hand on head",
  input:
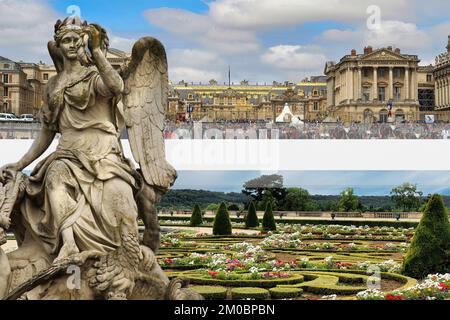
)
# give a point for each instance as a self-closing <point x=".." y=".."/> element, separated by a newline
<point x="95" y="37"/>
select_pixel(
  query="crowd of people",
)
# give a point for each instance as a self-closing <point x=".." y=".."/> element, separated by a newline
<point x="267" y="130"/>
<point x="312" y="130"/>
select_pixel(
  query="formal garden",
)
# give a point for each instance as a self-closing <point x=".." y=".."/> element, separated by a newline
<point x="269" y="258"/>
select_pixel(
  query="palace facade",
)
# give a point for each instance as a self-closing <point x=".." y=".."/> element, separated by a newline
<point x="367" y="87"/>
<point x="214" y="102"/>
<point x="442" y="84"/>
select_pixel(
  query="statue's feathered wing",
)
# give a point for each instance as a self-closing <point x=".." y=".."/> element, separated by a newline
<point x="145" y="102"/>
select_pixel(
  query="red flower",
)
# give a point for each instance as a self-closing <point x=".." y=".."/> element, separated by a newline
<point x="393" y="297"/>
<point x="168" y="261"/>
<point x="212" y="273"/>
<point x="444" y="287"/>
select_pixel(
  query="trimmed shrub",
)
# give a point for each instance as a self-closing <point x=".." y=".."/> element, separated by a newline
<point x="222" y="222"/>
<point x="249" y="293"/>
<point x="211" y="292"/>
<point x="251" y="219"/>
<point x="268" y="223"/>
<point x="196" y="217"/>
<point x="285" y="293"/>
<point x="429" y="249"/>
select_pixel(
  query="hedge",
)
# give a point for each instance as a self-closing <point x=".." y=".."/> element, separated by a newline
<point x="211" y="292"/>
<point x="251" y="219"/>
<point x="249" y="293"/>
<point x="357" y="223"/>
<point x="262" y="283"/>
<point x="285" y="293"/>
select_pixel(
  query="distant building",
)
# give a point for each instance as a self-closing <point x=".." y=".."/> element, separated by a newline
<point x="367" y="87"/>
<point x="214" y="102"/>
<point x="2" y="105"/>
<point x="442" y="84"/>
<point x="18" y="92"/>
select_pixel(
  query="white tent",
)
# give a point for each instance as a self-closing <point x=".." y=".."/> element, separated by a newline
<point x="286" y="112"/>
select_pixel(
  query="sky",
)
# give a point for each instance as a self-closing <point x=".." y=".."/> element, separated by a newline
<point x="374" y="183"/>
<point x="262" y="40"/>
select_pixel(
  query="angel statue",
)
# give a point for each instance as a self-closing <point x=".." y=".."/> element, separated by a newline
<point x="80" y="206"/>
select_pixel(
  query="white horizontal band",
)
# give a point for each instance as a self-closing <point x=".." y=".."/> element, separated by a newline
<point x="275" y="155"/>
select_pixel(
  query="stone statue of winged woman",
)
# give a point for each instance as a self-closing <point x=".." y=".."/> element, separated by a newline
<point x="83" y="201"/>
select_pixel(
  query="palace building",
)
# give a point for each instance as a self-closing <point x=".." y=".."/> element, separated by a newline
<point x="367" y="87"/>
<point x="442" y="84"/>
<point x="214" y="102"/>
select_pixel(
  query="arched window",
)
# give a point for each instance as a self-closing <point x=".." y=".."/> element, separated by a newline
<point x="368" y="116"/>
<point x="383" y="115"/>
<point x="400" y="115"/>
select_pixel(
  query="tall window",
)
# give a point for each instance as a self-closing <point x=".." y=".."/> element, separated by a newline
<point x="366" y="72"/>
<point x="316" y="106"/>
<point x="366" y="94"/>
<point x="381" y="93"/>
<point x="381" y="72"/>
<point x="397" y="72"/>
<point x="397" y="93"/>
<point x="429" y="78"/>
<point x="383" y="116"/>
<point x="5" y="92"/>
<point x="5" y="78"/>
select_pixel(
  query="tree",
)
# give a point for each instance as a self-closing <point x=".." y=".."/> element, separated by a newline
<point x="196" y="217"/>
<point x="406" y="197"/>
<point x="349" y="201"/>
<point x="213" y="82"/>
<point x="251" y="219"/>
<point x="233" y="207"/>
<point x="256" y="188"/>
<point x="268" y="223"/>
<point x="429" y="250"/>
<point x="298" y="199"/>
<point x="222" y="222"/>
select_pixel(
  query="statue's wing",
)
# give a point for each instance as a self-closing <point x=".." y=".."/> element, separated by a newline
<point x="145" y="103"/>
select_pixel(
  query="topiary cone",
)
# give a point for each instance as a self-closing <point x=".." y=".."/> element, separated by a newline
<point x="268" y="223"/>
<point x="196" y="217"/>
<point x="429" y="249"/>
<point x="251" y="219"/>
<point x="222" y="222"/>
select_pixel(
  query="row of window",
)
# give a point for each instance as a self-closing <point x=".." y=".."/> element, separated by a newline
<point x="382" y="93"/>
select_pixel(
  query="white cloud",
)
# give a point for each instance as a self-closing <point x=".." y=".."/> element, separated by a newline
<point x="203" y="31"/>
<point x="263" y="14"/>
<point x="398" y="33"/>
<point x="192" y="74"/>
<point x="124" y="44"/>
<point x="293" y="57"/>
<point x="25" y="28"/>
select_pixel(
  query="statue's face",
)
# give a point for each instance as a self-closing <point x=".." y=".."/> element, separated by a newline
<point x="70" y="44"/>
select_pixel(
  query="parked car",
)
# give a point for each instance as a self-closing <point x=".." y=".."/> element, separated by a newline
<point x="26" y="117"/>
<point x="8" y="117"/>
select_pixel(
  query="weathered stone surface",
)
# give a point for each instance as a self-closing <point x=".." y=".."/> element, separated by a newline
<point x="75" y="217"/>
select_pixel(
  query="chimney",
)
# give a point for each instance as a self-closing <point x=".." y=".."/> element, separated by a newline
<point x="397" y="50"/>
<point x="353" y="52"/>
<point x="368" y="50"/>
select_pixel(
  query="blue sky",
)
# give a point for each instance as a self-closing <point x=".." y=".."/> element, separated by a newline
<point x="262" y="40"/>
<point x="321" y="182"/>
